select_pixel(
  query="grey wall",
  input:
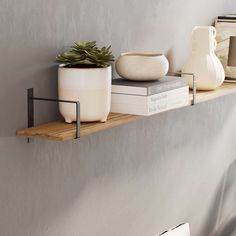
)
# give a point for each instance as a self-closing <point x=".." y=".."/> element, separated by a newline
<point x="138" y="179"/>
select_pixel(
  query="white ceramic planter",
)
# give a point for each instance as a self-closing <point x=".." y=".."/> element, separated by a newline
<point x="142" y="66"/>
<point x="91" y="87"/>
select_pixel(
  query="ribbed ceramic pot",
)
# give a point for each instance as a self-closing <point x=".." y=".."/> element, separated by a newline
<point x="91" y="87"/>
<point x="142" y="66"/>
<point x="203" y="61"/>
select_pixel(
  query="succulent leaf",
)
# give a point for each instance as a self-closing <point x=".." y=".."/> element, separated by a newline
<point x="86" y="53"/>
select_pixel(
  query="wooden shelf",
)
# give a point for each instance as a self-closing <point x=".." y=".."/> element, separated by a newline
<point x="225" y="89"/>
<point x="60" y="131"/>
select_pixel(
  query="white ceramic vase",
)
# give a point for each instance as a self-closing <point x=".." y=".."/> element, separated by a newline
<point x="91" y="87"/>
<point x="142" y="66"/>
<point x="203" y="61"/>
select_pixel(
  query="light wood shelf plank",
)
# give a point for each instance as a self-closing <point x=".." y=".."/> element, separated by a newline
<point x="60" y="131"/>
<point x="225" y="89"/>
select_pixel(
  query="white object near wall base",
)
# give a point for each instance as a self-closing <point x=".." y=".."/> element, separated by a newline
<point x="203" y="61"/>
<point x="91" y="87"/>
<point x="142" y="66"/>
<point x="182" y="230"/>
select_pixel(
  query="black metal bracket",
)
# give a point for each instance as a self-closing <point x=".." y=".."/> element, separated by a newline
<point x="194" y="101"/>
<point x="30" y="104"/>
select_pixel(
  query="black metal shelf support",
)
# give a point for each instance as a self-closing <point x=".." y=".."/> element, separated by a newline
<point x="30" y="104"/>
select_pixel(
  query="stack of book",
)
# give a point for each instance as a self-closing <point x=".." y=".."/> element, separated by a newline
<point x="148" y="98"/>
<point x="226" y="44"/>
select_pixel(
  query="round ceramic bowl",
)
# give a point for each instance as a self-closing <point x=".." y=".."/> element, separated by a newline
<point x="142" y="66"/>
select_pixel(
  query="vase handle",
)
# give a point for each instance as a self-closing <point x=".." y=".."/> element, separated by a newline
<point x="215" y="44"/>
<point x="214" y="32"/>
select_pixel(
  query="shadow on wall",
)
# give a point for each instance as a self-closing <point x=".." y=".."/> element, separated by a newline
<point x="227" y="211"/>
<point x="14" y="102"/>
<point x="226" y="217"/>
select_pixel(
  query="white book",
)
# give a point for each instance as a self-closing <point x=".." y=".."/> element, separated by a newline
<point x="226" y="21"/>
<point x="149" y="105"/>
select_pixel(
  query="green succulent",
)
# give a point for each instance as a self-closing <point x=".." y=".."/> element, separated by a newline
<point x="86" y="54"/>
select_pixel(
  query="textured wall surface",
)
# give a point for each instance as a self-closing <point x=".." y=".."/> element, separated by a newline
<point x="138" y="179"/>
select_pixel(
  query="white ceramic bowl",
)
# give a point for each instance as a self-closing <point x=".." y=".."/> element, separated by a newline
<point x="142" y="66"/>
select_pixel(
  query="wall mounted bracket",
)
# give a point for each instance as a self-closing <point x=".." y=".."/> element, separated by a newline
<point x="30" y="104"/>
<point x="194" y="101"/>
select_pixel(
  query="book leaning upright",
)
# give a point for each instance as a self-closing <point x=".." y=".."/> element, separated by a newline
<point x="148" y="98"/>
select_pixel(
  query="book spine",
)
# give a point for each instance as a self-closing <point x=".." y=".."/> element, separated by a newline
<point x="152" y="109"/>
<point x="154" y="104"/>
<point x="143" y="100"/>
<point x="166" y="87"/>
<point x="225" y="21"/>
<point x="165" y="105"/>
<point x="226" y="18"/>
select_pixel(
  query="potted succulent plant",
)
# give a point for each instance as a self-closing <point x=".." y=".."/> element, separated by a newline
<point x="84" y="75"/>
